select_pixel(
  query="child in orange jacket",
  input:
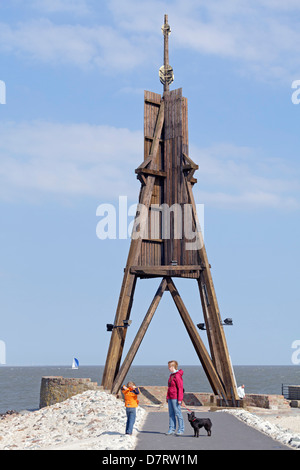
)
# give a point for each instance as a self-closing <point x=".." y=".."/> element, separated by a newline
<point x="130" y="393"/>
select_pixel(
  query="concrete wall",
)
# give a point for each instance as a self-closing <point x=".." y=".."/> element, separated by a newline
<point x="273" y="402"/>
<point x="57" y="389"/>
<point x="153" y="395"/>
<point x="157" y="395"/>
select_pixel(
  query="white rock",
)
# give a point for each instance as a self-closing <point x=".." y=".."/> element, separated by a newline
<point x="281" y="434"/>
<point x="92" y="420"/>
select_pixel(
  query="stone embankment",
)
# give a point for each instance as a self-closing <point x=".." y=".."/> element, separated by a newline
<point x="92" y="420"/>
<point x="285" y="429"/>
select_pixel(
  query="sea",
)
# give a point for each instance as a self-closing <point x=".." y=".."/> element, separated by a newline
<point x="20" y="386"/>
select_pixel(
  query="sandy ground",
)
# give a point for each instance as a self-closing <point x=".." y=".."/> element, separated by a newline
<point x="97" y="420"/>
<point x="287" y="419"/>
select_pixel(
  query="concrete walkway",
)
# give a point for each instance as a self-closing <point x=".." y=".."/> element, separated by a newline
<point x="228" y="433"/>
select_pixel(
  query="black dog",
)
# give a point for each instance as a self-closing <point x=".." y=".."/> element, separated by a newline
<point x="198" y="423"/>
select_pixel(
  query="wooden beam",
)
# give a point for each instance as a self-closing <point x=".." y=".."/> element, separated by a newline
<point x="162" y="270"/>
<point x="148" y="137"/>
<point x="153" y="240"/>
<point x="146" y="171"/>
<point x="139" y="337"/>
<point x="190" y="162"/>
<point x="147" y="100"/>
<point x="200" y="349"/>
<point x="142" y="179"/>
<point x="145" y="162"/>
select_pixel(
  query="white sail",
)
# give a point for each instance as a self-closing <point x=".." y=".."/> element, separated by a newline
<point x="75" y="363"/>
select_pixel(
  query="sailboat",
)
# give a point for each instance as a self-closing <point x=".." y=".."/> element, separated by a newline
<point x="75" y="363"/>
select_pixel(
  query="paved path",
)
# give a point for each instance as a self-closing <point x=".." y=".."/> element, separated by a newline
<point x="228" y="433"/>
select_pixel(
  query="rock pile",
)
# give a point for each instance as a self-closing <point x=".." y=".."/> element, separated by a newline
<point x="284" y="435"/>
<point x="91" y="420"/>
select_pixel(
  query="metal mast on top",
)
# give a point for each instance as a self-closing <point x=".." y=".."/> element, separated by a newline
<point x="166" y="74"/>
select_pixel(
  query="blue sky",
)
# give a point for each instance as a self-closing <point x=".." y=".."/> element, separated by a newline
<point x="71" y="135"/>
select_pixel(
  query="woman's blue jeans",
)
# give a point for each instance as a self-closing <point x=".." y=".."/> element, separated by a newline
<point x="175" y="412"/>
<point x="131" y="415"/>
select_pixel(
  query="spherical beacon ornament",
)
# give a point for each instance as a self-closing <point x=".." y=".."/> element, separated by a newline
<point x="166" y="27"/>
<point x="166" y="75"/>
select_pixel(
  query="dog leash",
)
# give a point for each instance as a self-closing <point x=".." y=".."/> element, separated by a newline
<point x="186" y="407"/>
<point x="189" y="411"/>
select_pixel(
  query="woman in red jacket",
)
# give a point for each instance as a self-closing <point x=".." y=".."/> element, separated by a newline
<point x="174" y="398"/>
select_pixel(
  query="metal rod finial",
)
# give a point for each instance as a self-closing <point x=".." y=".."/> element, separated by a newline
<point x="166" y="74"/>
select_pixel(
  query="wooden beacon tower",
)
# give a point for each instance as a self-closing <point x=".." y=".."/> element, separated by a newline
<point x="162" y="245"/>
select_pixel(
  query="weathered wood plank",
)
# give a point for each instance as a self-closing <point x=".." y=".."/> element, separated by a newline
<point x="161" y="270"/>
<point x="146" y="171"/>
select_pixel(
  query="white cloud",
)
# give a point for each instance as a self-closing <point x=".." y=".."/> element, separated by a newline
<point x="262" y="36"/>
<point x="43" y="40"/>
<point x="74" y="7"/>
<point x="242" y="177"/>
<point x="68" y="160"/>
<point x="278" y="4"/>
<point x="78" y="7"/>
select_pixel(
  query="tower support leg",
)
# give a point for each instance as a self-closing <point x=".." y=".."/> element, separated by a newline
<point x="117" y="340"/>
